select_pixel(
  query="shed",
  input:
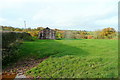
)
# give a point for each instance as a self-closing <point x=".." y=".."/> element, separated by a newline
<point x="47" y="33"/>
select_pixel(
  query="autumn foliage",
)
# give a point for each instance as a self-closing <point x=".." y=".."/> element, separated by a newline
<point x="106" y="33"/>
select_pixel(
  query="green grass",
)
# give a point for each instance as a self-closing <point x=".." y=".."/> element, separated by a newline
<point x="85" y="58"/>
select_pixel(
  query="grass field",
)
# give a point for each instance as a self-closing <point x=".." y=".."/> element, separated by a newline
<point x="85" y="58"/>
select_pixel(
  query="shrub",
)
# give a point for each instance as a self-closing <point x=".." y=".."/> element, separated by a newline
<point x="108" y="33"/>
<point x="10" y="42"/>
<point x="34" y="33"/>
<point x="89" y="37"/>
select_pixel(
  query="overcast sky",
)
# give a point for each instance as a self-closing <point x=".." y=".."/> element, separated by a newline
<point x="60" y="14"/>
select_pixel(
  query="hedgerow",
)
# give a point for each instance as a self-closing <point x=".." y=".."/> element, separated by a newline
<point x="10" y="43"/>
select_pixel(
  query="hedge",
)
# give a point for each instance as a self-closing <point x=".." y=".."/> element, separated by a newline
<point x="10" y="43"/>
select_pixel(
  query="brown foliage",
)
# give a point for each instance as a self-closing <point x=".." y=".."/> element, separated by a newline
<point x="108" y="33"/>
<point x="89" y="37"/>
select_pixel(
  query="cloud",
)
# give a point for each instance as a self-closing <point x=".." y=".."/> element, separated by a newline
<point x="62" y="14"/>
<point x="109" y="21"/>
<point x="2" y="20"/>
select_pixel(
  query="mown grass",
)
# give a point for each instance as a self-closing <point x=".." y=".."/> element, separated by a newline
<point x="85" y="58"/>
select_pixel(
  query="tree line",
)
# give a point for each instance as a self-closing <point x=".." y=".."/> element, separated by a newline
<point x="106" y="33"/>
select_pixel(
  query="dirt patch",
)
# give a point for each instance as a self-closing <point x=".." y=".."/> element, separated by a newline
<point x="22" y="66"/>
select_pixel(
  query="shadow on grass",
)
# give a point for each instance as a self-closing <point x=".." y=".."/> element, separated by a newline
<point x="54" y="48"/>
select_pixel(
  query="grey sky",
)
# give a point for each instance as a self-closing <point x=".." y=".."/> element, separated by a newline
<point x="60" y="14"/>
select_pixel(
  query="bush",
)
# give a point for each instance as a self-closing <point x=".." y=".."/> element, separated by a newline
<point x="106" y="33"/>
<point x="89" y="37"/>
<point x="34" y="33"/>
<point x="10" y="42"/>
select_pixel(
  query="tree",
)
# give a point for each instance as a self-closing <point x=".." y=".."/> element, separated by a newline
<point x="97" y="35"/>
<point x="17" y="29"/>
<point x="108" y="33"/>
<point x="40" y="28"/>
